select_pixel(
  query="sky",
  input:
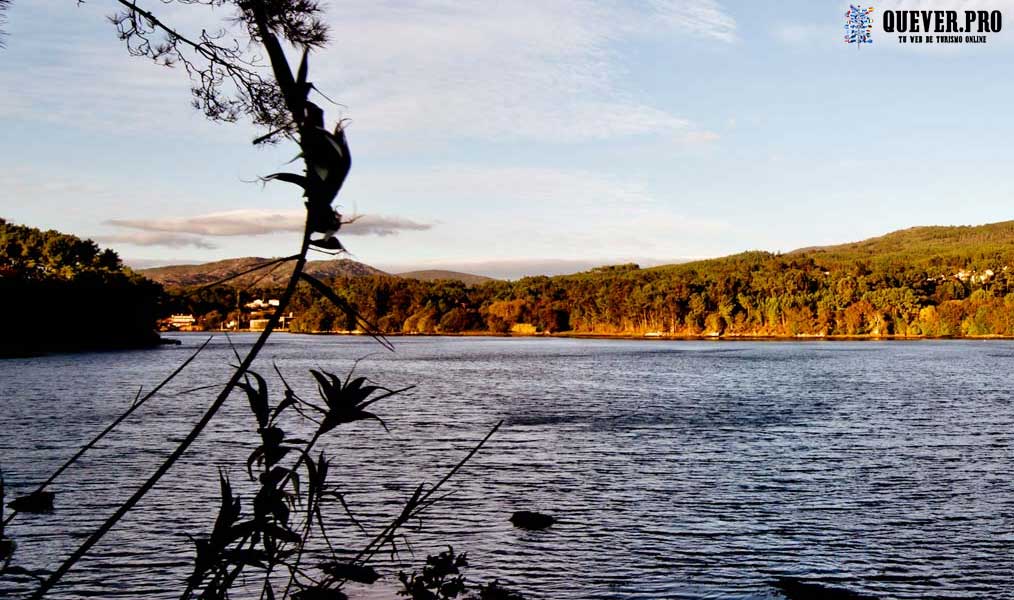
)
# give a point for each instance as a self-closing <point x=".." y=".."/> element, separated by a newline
<point x="515" y="138"/>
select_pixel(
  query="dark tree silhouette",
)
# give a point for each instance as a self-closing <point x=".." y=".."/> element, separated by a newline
<point x="229" y="77"/>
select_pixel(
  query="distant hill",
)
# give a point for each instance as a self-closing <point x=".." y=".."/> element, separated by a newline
<point x="951" y="245"/>
<point x="936" y="248"/>
<point x="438" y="274"/>
<point x="918" y="282"/>
<point x="180" y="276"/>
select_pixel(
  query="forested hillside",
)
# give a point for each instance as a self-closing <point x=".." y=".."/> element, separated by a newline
<point x="926" y="281"/>
<point x="59" y="292"/>
<point x="438" y="274"/>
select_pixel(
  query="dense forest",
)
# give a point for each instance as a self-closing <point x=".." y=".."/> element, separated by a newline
<point x="925" y="281"/>
<point x="62" y="292"/>
<point x="59" y="292"/>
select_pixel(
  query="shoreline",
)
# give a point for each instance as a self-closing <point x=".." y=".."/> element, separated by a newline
<point x="642" y="337"/>
<point x="38" y="349"/>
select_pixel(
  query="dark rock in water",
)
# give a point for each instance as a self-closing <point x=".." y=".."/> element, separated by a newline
<point x="316" y="592"/>
<point x="358" y="573"/>
<point x="36" y="502"/>
<point x="6" y="548"/>
<point x="796" y="589"/>
<point x="524" y="519"/>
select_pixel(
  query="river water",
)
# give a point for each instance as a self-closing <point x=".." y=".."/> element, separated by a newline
<point x="683" y="469"/>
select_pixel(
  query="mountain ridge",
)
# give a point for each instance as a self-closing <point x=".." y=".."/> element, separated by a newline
<point x="927" y="245"/>
<point x="181" y="276"/>
<point x="918" y="282"/>
<point x="924" y="240"/>
<point x="923" y="246"/>
<point x="189" y="275"/>
<point x="440" y="274"/>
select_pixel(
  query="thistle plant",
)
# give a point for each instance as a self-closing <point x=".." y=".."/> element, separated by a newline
<point x="6" y="545"/>
<point x="443" y="578"/>
<point x="273" y="532"/>
<point x="281" y="103"/>
<point x="269" y="532"/>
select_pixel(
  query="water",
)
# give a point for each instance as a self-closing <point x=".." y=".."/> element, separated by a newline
<point x="678" y="469"/>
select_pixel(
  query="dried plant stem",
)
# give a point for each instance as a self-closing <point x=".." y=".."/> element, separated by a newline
<point x="410" y="510"/>
<point x="136" y="405"/>
<point x="192" y="436"/>
<point x="304" y="455"/>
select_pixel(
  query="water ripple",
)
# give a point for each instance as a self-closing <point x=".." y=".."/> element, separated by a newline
<point x="676" y="469"/>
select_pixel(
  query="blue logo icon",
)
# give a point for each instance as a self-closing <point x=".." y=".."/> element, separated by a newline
<point x="858" y="25"/>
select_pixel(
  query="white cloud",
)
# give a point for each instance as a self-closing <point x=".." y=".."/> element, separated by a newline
<point x="152" y="238"/>
<point x="522" y="70"/>
<point x="528" y="70"/>
<point x="249" y="222"/>
<point x="226" y="223"/>
<point x="86" y="79"/>
<point x="705" y="18"/>
<point x="533" y="212"/>
<point x="420" y="74"/>
<point x="381" y="226"/>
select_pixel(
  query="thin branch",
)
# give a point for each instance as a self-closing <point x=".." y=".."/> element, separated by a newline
<point x="263" y="265"/>
<point x="254" y="94"/>
<point x="260" y="278"/>
<point x="388" y="533"/>
<point x="4" y="5"/>
<point x="345" y="307"/>
<point x="138" y="402"/>
<point x="191" y="437"/>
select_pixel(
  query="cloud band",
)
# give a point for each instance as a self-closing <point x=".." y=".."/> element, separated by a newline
<point x="178" y="232"/>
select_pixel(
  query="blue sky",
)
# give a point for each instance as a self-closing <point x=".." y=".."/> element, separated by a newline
<point x="513" y="137"/>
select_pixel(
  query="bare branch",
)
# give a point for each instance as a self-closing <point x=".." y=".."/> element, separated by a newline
<point x="4" y="5"/>
<point x="229" y="80"/>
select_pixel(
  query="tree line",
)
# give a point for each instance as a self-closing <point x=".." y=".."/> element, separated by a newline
<point x="60" y="292"/>
<point x="750" y="294"/>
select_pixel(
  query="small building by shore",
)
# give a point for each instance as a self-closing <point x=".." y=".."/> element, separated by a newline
<point x="180" y="322"/>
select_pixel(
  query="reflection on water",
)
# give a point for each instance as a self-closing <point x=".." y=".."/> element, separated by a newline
<point x="676" y="469"/>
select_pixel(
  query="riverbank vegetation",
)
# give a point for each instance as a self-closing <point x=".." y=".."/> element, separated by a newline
<point x="60" y="292"/>
<point x="925" y="281"/>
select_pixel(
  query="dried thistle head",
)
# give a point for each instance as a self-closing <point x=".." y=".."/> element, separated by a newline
<point x="347" y="401"/>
